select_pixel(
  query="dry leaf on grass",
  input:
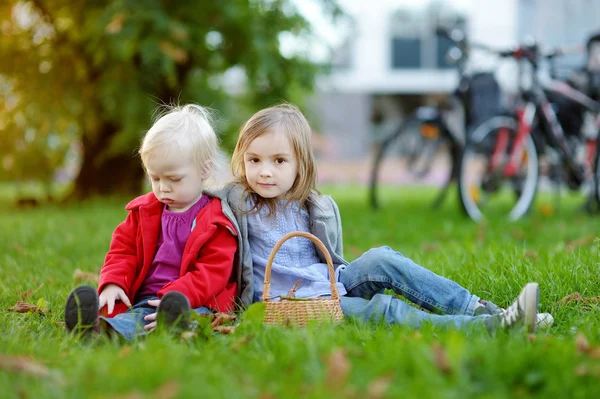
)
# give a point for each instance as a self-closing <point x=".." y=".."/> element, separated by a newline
<point x="168" y="390"/>
<point x="81" y="276"/>
<point x="531" y="254"/>
<point x="222" y="318"/>
<point x="338" y="368"/>
<point x="188" y="335"/>
<point x="224" y="329"/>
<point x="579" y="242"/>
<point x="24" y="365"/>
<point x="25" y="294"/>
<point x="24" y="307"/>
<point x="577" y="297"/>
<point x="430" y="246"/>
<point x="378" y="387"/>
<point x="237" y="345"/>
<point x="441" y="358"/>
<point x="582" y="343"/>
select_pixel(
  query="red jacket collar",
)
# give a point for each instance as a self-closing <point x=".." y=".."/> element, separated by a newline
<point x="144" y="201"/>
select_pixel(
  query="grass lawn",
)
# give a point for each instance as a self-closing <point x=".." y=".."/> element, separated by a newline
<point x="41" y="248"/>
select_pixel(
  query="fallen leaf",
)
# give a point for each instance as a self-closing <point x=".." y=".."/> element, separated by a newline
<point x="188" y="335"/>
<point x="430" y="247"/>
<point x="547" y="209"/>
<point x="531" y="254"/>
<point x="441" y="358"/>
<point x="581" y="370"/>
<point x="24" y="365"/>
<point x="594" y="353"/>
<point x="378" y="387"/>
<point x="221" y="318"/>
<point x="24" y="307"/>
<point x="580" y="242"/>
<point x="355" y="251"/>
<point x="80" y="276"/>
<point x="338" y="368"/>
<point x="237" y="345"/>
<point x="25" y="294"/>
<point x="224" y="329"/>
<point x="168" y="390"/>
<point x="582" y="343"/>
<point x="532" y="337"/>
<point x="577" y="297"/>
<point x="124" y="351"/>
<point x="59" y="323"/>
<point x="518" y="234"/>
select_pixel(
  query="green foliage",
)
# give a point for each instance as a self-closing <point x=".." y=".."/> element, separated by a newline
<point x="94" y="71"/>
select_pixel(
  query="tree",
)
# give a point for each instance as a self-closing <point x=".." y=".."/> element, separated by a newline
<point x="104" y="66"/>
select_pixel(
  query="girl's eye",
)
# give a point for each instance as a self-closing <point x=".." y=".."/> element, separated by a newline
<point x="253" y="160"/>
<point x="176" y="180"/>
<point x="154" y="178"/>
<point x="279" y="161"/>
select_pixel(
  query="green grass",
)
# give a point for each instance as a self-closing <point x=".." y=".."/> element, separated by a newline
<point x="40" y="249"/>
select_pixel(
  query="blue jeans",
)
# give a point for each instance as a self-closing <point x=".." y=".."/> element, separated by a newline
<point x="382" y="268"/>
<point x="130" y="324"/>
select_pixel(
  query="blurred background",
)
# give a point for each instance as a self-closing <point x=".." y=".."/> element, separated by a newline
<point x="80" y="80"/>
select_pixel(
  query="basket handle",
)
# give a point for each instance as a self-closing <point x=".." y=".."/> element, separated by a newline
<point x="267" y="283"/>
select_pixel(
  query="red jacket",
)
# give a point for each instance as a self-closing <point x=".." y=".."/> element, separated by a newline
<point x="206" y="264"/>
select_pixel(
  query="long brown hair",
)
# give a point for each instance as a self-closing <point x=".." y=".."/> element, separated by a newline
<point x="289" y="120"/>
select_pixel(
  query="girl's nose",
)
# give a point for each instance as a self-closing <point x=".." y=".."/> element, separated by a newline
<point x="265" y="172"/>
<point x="165" y="187"/>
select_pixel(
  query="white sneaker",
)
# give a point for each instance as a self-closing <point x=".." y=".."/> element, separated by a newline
<point x="523" y="310"/>
<point x="544" y="320"/>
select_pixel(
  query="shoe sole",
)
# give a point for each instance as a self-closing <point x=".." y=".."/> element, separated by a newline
<point x="174" y="310"/>
<point x="532" y="295"/>
<point x="81" y="309"/>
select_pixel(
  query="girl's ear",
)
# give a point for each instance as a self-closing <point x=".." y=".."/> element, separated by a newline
<point x="206" y="170"/>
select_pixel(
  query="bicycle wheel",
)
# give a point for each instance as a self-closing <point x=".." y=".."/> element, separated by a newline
<point x="411" y="156"/>
<point x="486" y="190"/>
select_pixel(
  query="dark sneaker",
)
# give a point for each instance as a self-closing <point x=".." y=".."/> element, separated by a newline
<point x="523" y="311"/>
<point x="81" y="309"/>
<point x="174" y="310"/>
<point x="486" y="307"/>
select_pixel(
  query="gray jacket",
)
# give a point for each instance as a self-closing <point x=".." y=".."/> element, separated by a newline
<point x="325" y="224"/>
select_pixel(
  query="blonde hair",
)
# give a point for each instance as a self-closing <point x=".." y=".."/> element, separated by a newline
<point x="186" y="129"/>
<point x="289" y="120"/>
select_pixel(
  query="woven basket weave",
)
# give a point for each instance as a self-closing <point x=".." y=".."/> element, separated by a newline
<point x="299" y="312"/>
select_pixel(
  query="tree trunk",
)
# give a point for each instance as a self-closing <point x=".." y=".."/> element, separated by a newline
<point x="101" y="175"/>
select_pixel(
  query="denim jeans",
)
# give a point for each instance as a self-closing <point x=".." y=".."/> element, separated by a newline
<point x="130" y="324"/>
<point x="382" y="268"/>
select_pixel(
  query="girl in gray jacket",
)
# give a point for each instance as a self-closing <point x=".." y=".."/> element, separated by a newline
<point x="274" y="193"/>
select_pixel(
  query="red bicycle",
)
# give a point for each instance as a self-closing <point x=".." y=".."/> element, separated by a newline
<point x="501" y="163"/>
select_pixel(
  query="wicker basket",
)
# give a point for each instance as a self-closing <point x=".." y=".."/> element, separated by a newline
<point x="300" y="311"/>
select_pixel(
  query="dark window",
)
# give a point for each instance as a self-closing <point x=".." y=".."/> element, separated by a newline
<point x="406" y="52"/>
<point x="443" y="45"/>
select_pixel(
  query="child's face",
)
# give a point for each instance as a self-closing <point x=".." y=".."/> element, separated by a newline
<point x="271" y="165"/>
<point x="176" y="181"/>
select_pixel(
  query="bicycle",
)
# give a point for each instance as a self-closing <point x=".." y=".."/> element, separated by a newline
<point x="435" y="141"/>
<point x="500" y="166"/>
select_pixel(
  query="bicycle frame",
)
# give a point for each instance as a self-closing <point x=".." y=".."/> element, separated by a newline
<point x="537" y="104"/>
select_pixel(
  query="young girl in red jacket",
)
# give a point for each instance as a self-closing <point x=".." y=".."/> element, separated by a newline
<point x="174" y="252"/>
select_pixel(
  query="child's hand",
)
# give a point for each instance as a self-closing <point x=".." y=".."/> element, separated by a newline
<point x="152" y="317"/>
<point x="110" y="294"/>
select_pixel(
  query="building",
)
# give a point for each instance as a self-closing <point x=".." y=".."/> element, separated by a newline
<point x="392" y="59"/>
